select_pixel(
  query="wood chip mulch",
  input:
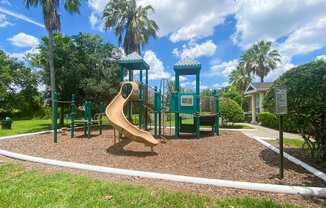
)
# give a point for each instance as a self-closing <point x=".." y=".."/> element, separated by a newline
<point x="230" y="156"/>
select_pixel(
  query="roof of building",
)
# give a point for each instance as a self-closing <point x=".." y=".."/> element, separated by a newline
<point x="258" y="87"/>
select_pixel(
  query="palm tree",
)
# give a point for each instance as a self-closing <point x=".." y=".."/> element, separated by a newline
<point x="131" y="24"/>
<point x="51" y="17"/>
<point x="240" y="78"/>
<point x="260" y="59"/>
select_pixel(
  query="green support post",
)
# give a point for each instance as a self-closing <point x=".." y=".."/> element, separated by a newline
<point x="73" y="109"/>
<point x="176" y="120"/>
<point x="85" y="118"/>
<point x="197" y="99"/>
<point x="141" y="99"/>
<point x="89" y="119"/>
<point x="156" y="107"/>
<point x="129" y="111"/>
<point x="121" y="71"/>
<point x="146" y="99"/>
<point x="101" y="110"/>
<point x="55" y="118"/>
<point x="159" y="115"/>
<point x="217" y="120"/>
<point x="197" y="125"/>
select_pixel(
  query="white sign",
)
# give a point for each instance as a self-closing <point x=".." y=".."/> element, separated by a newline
<point x="187" y="100"/>
<point x="281" y="101"/>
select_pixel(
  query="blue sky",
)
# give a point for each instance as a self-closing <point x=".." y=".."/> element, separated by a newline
<point x="215" y="32"/>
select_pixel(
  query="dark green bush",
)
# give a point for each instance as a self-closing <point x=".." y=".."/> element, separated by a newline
<point x="230" y="111"/>
<point x="271" y="120"/>
<point x="306" y="92"/>
<point x="268" y="119"/>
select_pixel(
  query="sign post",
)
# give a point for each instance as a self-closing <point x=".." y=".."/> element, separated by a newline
<point x="281" y="110"/>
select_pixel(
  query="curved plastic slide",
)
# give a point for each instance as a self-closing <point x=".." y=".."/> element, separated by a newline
<point x="114" y="112"/>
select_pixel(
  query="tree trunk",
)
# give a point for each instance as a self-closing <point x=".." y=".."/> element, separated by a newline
<point x="52" y="74"/>
<point x="262" y="79"/>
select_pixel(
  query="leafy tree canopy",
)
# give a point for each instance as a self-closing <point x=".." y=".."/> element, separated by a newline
<point x="83" y="67"/>
<point x="232" y="93"/>
<point x="18" y="88"/>
<point x="306" y="92"/>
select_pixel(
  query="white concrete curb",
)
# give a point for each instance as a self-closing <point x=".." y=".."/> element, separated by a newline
<point x="297" y="190"/>
<point x="296" y="161"/>
<point x="25" y="135"/>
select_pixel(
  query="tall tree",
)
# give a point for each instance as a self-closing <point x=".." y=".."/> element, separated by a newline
<point x="260" y="59"/>
<point x="131" y="23"/>
<point x="51" y="17"/>
<point x="82" y="67"/>
<point x="240" y="78"/>
<point x="19" y="96"/>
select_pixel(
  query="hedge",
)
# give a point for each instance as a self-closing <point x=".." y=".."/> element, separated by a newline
<point x="271" y="120"/>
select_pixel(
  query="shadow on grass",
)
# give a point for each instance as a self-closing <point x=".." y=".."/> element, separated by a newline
<point x="273" y="159"/>
<point x="118" y="149"/>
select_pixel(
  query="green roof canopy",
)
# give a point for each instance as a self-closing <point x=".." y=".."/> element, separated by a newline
<point x="133" y="61"/>
<point x="187" y="66"/>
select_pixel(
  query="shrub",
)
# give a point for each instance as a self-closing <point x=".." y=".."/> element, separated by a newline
<point x="306" y="92"/>
<point x="233" y="94"/>
<point x="271" y="120"/>
<point x="268" y="119"/>
<point x="230" y="111"/>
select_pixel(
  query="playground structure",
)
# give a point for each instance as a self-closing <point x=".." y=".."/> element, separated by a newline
<point x="85" y="119"/>
<point x="149" y="104"/>
<point x="188" y="103"/>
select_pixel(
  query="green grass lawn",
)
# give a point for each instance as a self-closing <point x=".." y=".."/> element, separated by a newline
<point x="26" y="188"/>
<point x="27" y="126"/>
<point x="33" y="125"/>
<point x="293" y="143"/>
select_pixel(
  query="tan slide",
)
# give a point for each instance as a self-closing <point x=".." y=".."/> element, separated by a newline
<point x="114" y="112"/>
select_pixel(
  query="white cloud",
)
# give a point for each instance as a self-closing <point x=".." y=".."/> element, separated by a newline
<point x="182" y="78"/>
<point x="93" y="19"/>
<point x="20" y="16"/>
<point x="202" y="27"/>
<point x="98" y="5"/>
<point x="24" y="40"/>
<point x="188" y="19"/>
<point x="298" y="24"/>
<point x="284" y="66"/>
<point x="3" y="21"/>
<point x="157" y="70"/>
<point x="195" y="50"/>
<point x="183" y="19"/>
<point x="224" y="68"/>
<point x="221" y="85"/>
<point x="271" y="20"/>
<point x="306" y="39"/>
<point x="23" y="55"/>
<point x="323" y="57"/>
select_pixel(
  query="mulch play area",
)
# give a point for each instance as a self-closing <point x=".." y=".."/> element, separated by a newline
<point x="231" y="156"/>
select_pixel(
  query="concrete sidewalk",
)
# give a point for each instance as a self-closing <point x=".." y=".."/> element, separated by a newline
<point x="267" y="133"/>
